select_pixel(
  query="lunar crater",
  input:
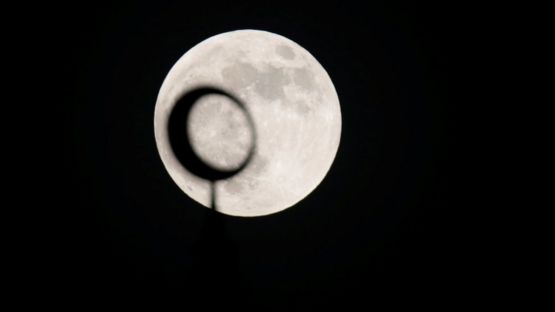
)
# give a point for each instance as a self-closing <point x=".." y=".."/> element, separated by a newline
<point x="304" y="78"/>
<point x="285" y="51"/>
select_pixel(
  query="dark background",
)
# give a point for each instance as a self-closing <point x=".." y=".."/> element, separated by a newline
<point x="382" y="224"/>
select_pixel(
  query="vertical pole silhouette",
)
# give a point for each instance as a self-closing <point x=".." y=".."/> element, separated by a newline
<point x="213" y="195"/>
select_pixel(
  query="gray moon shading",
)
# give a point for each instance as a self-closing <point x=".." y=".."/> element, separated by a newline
<point x="291" y="100"/>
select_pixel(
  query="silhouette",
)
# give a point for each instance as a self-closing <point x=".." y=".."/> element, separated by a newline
<point x="214" y="253"/>
<point x="181" y="144"/>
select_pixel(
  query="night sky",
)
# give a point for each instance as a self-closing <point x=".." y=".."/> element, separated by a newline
<point x="381" y="222"/>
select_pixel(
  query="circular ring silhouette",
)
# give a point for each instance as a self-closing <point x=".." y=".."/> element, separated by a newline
<point x="181" y="144"/>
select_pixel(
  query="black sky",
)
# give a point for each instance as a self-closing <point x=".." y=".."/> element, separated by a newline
<point x="382" y="222"/>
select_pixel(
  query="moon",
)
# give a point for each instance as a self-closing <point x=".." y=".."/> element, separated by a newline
<point x="293" y="106"/>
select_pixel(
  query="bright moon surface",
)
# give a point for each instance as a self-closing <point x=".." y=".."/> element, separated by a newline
<point x="219" y="132"/>
<point x="294" y="107"/>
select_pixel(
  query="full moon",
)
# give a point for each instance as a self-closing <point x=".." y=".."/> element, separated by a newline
<point x="293" y="106"/>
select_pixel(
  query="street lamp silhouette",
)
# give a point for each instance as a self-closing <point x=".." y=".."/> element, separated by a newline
<point x="180" y="140"/>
